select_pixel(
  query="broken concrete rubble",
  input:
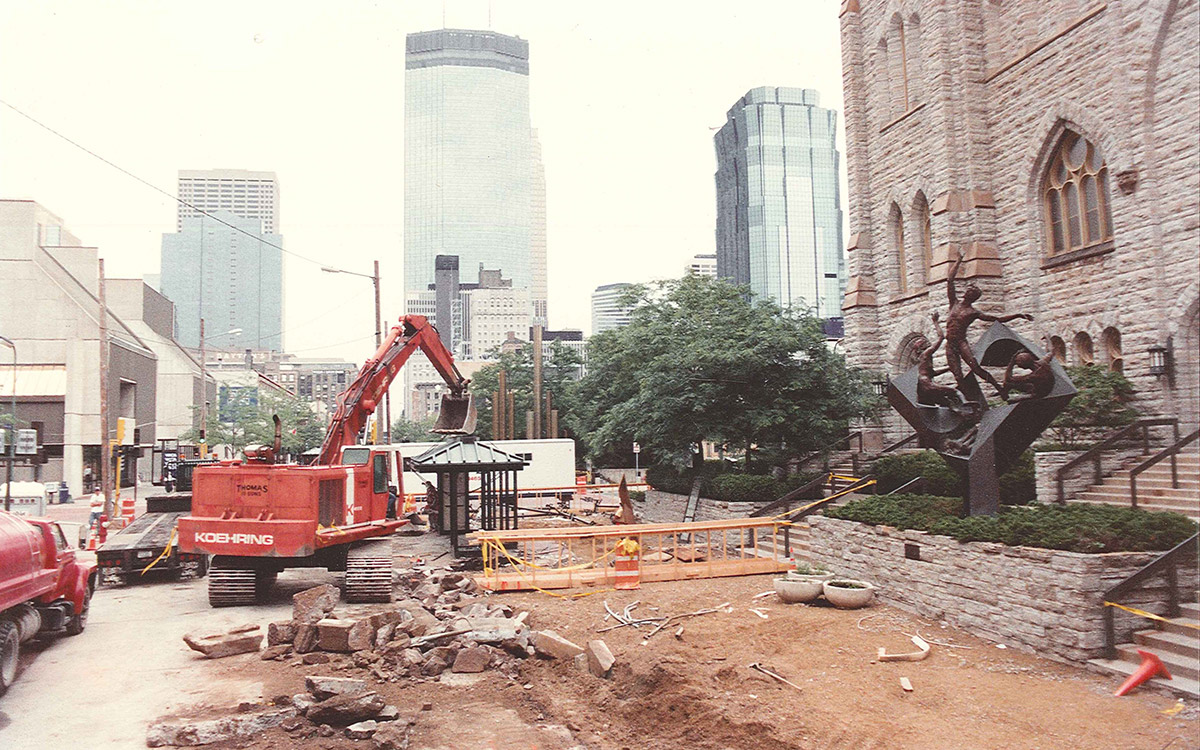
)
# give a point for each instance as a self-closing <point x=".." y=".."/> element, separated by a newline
<point x="346" y="708"/>
<point x="600" y="659"/>
<point x="327" y="687"/>
<point x="549" y="643"/>
<point x="240" y="640"/>
<point x="312" y="605"/>
<point x="281" y="632"/>
<point x="192" y="733"/>
<point x="362" y="730"/>
<point x="473" y="659"/>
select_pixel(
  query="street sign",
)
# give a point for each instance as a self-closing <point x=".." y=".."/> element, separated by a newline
<point x="26" y="442"/>
<point x="637" y="448"/>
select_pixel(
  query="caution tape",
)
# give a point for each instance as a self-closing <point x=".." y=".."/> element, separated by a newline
<point x="487" y="571"/>
<point x="1151" y="615"/>
<point x="166" y="551"/>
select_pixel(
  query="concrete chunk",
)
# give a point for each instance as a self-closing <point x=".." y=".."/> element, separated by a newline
<point x="471" y="660"/>
<point x="323" y="687"/>
<point x="346" y="709"/>
<point x="306" y="639"/>
<point x="312" y="605"/>
<point x="362" y="730"/>
<point x="217" y="645"/>
<point x="600" y="659"/>
<point x="549" y="643"/>
<point x="190" y="733"/>
<point x="281" y="632"/>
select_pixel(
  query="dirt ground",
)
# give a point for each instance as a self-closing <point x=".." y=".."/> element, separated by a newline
<point x="698" y="691"/>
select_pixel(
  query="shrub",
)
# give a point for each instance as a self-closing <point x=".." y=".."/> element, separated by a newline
<point x="1101" y="404"/>
<point x="893" y="472"/>
<point x="1018" y="485"/>
<point x="744" y="488"/>
<point x="637" y="495"/>
<point x="1076" y="527"/>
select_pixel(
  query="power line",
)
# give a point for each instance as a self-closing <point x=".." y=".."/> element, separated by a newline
<point x="156" y="188"/>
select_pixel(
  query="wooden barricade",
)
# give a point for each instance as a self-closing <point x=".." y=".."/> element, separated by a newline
<point x="558" y="558"/>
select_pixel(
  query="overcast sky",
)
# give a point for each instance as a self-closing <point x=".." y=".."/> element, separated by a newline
<point x="626" y="97"/>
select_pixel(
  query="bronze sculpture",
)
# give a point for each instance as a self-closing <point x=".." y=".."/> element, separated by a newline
<point x="959" y="318"/>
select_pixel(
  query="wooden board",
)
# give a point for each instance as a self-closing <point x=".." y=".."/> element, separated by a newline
<point x="592" y="577"/>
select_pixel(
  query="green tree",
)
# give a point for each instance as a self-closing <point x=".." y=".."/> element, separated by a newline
<point x="1101" y="405"/>
<point x="702" y="360"/>
<point x="414" y="431"/>
<point x="244" y="417"/>
<point x="559" y="372"/>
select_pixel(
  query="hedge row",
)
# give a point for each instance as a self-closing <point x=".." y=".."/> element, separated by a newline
<point x="1018" y="485"/>
<point x="1076" y="527"/>
<point x="730" y="487"/>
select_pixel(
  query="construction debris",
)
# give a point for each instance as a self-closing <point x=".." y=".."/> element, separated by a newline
<point x="667" y="621"/>
<point x="240" y="640"/>
<point x="189" y="733"/>
<point x="760" y="668"/>
<point x="551" y="644"/>
<point x="918" y="655"/>
<point x="600" y="658"/>
<point x="906" y="685"/>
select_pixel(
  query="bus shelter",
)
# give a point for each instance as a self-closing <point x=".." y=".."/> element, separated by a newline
<point x="470" y="473"/>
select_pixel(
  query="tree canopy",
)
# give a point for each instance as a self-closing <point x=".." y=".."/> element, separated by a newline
<point x="702" y="360"/>
<point x="243" y="417"/>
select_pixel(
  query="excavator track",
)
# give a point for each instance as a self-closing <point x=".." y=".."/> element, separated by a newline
<point x="369" y="571"/>
<point x="231" y="587"/>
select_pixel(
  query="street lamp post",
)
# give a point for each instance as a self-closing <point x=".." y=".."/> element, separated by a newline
<point x="387" y="398"/>
<point x="12" y="429"/>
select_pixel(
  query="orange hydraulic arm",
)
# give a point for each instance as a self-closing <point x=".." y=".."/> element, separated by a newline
<point x="368" y="388"/>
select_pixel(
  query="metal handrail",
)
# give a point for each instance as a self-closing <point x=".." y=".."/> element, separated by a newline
<point x="1095" y="453"/>
<point x="906" y="485"/>
<point x="1171" y="451"/>
<point x="899" y="444"/>
<point x="827" y="449"/>
<point x="1169" y="558"/>
<point x="787" y="499"/>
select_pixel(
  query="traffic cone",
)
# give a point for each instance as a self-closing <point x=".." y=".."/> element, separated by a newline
<point x="1151" y="666"/>
<point x="91" y="542"/>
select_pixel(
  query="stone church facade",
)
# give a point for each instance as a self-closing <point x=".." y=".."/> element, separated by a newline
<point x="1055" y="146"/>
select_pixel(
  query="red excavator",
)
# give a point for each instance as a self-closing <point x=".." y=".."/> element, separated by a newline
<point x="257" y="517"/>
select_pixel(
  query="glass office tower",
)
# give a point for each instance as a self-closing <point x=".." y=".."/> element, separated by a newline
<point x="779" y="217"/>
<point x="468" y="161"/>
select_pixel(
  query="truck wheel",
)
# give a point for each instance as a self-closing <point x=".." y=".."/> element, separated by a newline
<point x="10" y="652"/>
<point x="369" y="572"/>
<point x="77" y="623"/>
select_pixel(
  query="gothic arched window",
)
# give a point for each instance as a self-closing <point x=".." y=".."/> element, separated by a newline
<point x="924" y="225"/>
<point x="896" y="220"/>
<point x="1076" y="197"/>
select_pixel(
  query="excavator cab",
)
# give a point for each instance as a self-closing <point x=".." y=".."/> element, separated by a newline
<point x="457" y="415"/>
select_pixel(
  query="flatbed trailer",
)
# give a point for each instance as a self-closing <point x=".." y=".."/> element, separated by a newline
<point x="150" y="539"/>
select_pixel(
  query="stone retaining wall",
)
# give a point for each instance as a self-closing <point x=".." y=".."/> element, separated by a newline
<point x="1038" y="600"/>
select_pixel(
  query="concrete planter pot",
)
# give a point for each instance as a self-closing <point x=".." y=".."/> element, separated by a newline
<point x="799" y="589"/>
<point x="843" y="597"/>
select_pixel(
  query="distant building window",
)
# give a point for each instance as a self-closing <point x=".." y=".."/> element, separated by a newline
<point x="1112" y="350"/>
<point x="1076" y="197"/>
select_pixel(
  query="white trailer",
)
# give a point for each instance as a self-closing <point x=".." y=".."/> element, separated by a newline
<point x="549" y="468"/>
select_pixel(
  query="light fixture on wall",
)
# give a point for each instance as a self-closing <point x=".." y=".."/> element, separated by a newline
<point x="1161" y="360"/>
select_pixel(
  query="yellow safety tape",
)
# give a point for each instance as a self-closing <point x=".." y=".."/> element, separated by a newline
<point x="581" y="566"/>
<point x="1151" y="615"/>
<point x="166" y="551"/>
<point x="517" y="563"/>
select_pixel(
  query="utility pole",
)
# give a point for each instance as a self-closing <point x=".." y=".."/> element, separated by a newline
<point x="380" y="411"/>
<point x="12" y="429"/>
<point x="203" y="397"/>
<point x="105" y="445"/>
<point x="537" y="382"/>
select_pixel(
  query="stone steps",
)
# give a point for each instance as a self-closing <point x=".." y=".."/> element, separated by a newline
<point x="1176" y="643"/>
<point x="1155" y="489"/>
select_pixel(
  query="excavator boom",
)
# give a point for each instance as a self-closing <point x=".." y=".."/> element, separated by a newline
<point x="457" y="416"/>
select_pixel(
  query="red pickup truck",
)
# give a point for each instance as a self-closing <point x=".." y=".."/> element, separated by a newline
<point x="44" y="590"/>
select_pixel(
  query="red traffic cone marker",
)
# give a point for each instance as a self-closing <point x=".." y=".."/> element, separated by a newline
<point x="1151" y="666"/>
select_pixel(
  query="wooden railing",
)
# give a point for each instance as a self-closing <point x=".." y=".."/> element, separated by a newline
<point x="1168" y="562"/>
<point x="1169" y="452"/>
<point x="1095" y="454"/>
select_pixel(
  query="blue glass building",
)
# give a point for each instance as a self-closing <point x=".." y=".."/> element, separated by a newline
<point x="233" y="279"/>
<point x="779" y="216"/>
<point x="468" y="159"/>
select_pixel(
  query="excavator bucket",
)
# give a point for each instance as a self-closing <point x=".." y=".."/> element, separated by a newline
<point x="457" y="415"/>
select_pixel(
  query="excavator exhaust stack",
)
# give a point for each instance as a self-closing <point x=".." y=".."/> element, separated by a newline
<point x="457" y="415"/>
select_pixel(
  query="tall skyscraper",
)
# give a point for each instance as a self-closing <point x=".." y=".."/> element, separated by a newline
<point x="537" y="235"/>
<point x="779" y="217"/>
<point x="607" y="311"/>
<point x="233" y="279"/>
<point x="468" y="159"/>
<point x="250" y="195"/>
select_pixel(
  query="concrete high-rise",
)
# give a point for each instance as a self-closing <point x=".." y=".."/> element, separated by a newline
<point x="225" y="269"/>
<point x="468" y="161"/>
<point x="608" y="312"/>
<point x="537" y="236"/>
<point x="779" y="217"/>
<point x="250" y="195"/>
